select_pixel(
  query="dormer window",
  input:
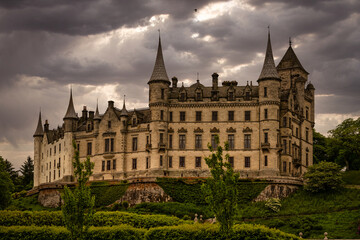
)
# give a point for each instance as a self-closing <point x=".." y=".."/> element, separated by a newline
<point x="183" y="96"/>
<point x="214" y="95"/>
<point x="198" y="95"/>
<point x="134" y="121"/>
<point x="247" y="96"/>
<point x="231" y="95"/>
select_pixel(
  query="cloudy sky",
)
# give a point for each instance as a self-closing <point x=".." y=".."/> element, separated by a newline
<point x="107" y="48"/>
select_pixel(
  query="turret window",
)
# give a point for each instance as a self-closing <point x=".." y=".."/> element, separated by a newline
<point x="265" y="113"/>
<point x="170" y="116"/>
<point x="266" y="137"/>
<point x="265" y="91"/>
<point x="161" y="114"/>
<point x="162" y="93"/>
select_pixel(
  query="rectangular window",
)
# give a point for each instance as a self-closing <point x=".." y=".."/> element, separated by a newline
<point x="161" y="137"/>
<point x="266" y="161"/>
<point x="89" y="148"/>
<point x="162" y="93"/>
<point x="59" y="147"/>
<point x="297" y="132"/>
<point x="197" y="162"/>
<point x="247" y="115"/>
<point x="161" y="160"/>
<point x="111" y="144"/>
<point x="265" y="113"/>
<point x="307" y="159"/>
<point x="307" y="114"/>
<point x="231" y="161"/>
<point x="182" y="141"/>
<point x="108" y="165"/>
<point x="198" y="116"/>
<point x="231" y="141"/>
<point x="59" y="165"/>
<point x="78" y="148"/>
<point x="213" y="142"/>
<point x="247" y="141"/>
<point x="247" y="162"/>
<point x="107" y="144"/>
<point x="284" y="121"/>
<point x="266" y="137"/>
<point x="289" y="167"/>
<point x="170" y="116"/>
<point x="147" y="163"/>
<point x="289" y="122"/>
<point x="285" y="145"/>
<point x="134" y="163"/>
<point x="134" y="144"/>
<point x="170" y="141"/>
<point x="109" y="124"/>
<point x="59" y="173"/>
<point x="162" y="115"/>
<point x="231" y="96"/>
<point x="247" y="96"/>
<point x="214" y="116"/>
<point x="114" y="163"/>
<point x="170" y="162"/>
<point x="284" y="166"/>
<point x="182" y="116"/>
<point x="54" y="149"/>
<point x="307" y="134"/>
<point x="181" y="161"/>
<point x="231" y="115"/>
<point x="289" y="147"/>
<point x="198" y="142"/>
<point x="51" y="150"/>
<point x="103" y="166"/>
<point x="265" y="91"/>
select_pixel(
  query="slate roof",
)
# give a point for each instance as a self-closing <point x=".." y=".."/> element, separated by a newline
<point x="290" y="60"/>
<point x="159" y="72"/>
<point x="269" y="71"/>
<point x="39" y="129"/>
<point x="70" y="113"/>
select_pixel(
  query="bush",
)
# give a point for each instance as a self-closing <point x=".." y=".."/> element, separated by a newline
<point x="322" y="177"/>
<point x="273" y="204"/>
<point x="351" y="177"/>
<point x="107" y="194"/>
<point x="55" y="233"/>
<point x="209" y="231"/>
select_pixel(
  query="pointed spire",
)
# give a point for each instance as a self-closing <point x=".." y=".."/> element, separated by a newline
<point x="70" y="113"/>
<point x="159" y="72"/>
<point x="124" y="112"/>
<point x="39" y="132"/>
<point x="97" y="115"/>
<point x="290" y="60"/>
<point x="269" y="71"/>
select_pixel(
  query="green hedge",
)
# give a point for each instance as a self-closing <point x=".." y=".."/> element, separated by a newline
<point x="44" y="218"/>
<point x="57" y="233"/>
<point x="107" y="194"/>
<point x="207" y="231"/>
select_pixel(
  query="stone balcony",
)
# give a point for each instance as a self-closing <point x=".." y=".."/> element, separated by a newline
<point x="265" y="146"/>
<point x="162" y="147"/>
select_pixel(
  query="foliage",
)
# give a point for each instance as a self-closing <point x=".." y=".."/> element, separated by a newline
<point x="46" y="233"/>
<point x="273" y="204"/>
<point x="27" y="172"/>
<point x="6" y="185"/>
<point x="248" y="190"/>
<point x="27" y="203"/>
<point x="210" y="231"/>
<point x="319" y="147"/>
<point x="351" y="177"/>
<point x="220" y="190"/>
<point x="323" y="176"/>
<point x="79" y="204"/>
<point x="107" y="194"/>
<point x="344" y="144"/>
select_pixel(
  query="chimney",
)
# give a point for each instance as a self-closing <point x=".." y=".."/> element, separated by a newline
<point x="91" y="114"/>
<point x="84" y="113"/>
<point x="46" y="126"/>
<point x="174" y="82"/>
<point x="110" y="104"/>
<point x="215" y="80"/>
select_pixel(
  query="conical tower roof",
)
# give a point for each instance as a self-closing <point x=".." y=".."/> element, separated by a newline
<point x="269" y="71"/>
<point x="39" y="132"/>
<point x="159" y="72"/>
<point x="97" y="114"/>
<point x="124" y="112"/>
<point x="70" y="113"/>
<point x="290" y="60"/>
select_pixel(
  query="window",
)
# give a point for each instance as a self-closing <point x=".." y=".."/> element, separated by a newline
<point x="247" y="162"/>
<point x="51" y="149"/>
<point x="284" y="121"/>
<point x="181" y="161"/>
<point x="108" y="165"/>
<point x="134" y="163"/>
<point x="170" y="162"/>
<point x="247" y="141"/>
<point x="284" y="166"/>
<point x="266" y="137"/>
<point x="247" y="115"/>
<point x="289" y="122"/>
<point x="147" y="163"/>
<point x="162" y="115"/>
<point x="231" y="115"/>
<point x="162" y="93"/>
<point x="307" y="159"/>
<point x="284" y="145"/>
<point x="307" y="113"/>
<point x="182" y="116"/>
<point x="197" y="162"/>
<point x="289" y="167"/>
<point x="54" y="164"/>
<point x="231" y="161"/>
<point x="107" y="141"/>
<point x="231" y="141"/>
<point x="134" y="144"/>
<point x="213" y="142"/>
<point x="170" y="116"/>
<point x="109" y="124"/>
<point x="59" y="173"/>
<point x="265" y="113"/>
<point x="49" y="176"/>
<point x="231" y="96"/>
<point x="307" y="134"/>
<point x="114" y="163"/>
<point x="214" y="116"/>
<point x="78" y="148"/>
<point x="59" y="147"/>
<point x="198" y="142"/>
<point x="247" y="96"/>
<point x="198" y="116"/>
<point x="161" y="160"/>
<point x="297" y="132"/>
<point x="266" y="161"/>
<point x="111" y="144"/>
<point x="161" y="137"/>
<point x="134" y="122"/>
<point x="54" y="149"/>
<point x="170" y="141"/>
<point x="265" y="91"/>
<point x="181" y="141"/>
<point x="198" y="95"/>
<point x="182" y="96"/>
<point x="89" y="148"/>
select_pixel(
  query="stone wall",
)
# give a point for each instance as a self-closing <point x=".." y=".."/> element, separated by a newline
<point x="276" y="191"/>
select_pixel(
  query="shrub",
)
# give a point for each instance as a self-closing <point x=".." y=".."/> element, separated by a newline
<point x="107" y="194"/>
<point x="210" y="231"/>
<point x="322" y="177"/>
<point x="273" y="204"/>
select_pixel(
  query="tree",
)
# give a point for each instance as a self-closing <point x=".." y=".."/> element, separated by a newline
<point x="320" y="147"/>
<point x="6" y="185"/>
<point x="323" y="176"/>
<point x="78" y="207"/>
<point x="220" y="189"/>
<point x="344" y="144"/>
<point x="27" y="171"/>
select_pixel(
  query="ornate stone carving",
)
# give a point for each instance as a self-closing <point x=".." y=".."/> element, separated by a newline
<point x="198" y="130"/>
<point x="247" y="129"/>
<point x="231" y="130"/>
<point x="214" y="130"/>
<point x="171" y="130"/>
<point x="182" y="130"/>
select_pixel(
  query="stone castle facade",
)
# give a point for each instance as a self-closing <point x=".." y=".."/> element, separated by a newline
<point x="269" y="128"/>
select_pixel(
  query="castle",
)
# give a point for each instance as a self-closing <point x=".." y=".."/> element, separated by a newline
<point x="268" y="127"/>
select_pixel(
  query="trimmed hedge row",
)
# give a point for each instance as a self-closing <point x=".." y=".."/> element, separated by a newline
<point x="45" y="218"/>
<point x="58" y="233"/>
<point x="209" y="232"/>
